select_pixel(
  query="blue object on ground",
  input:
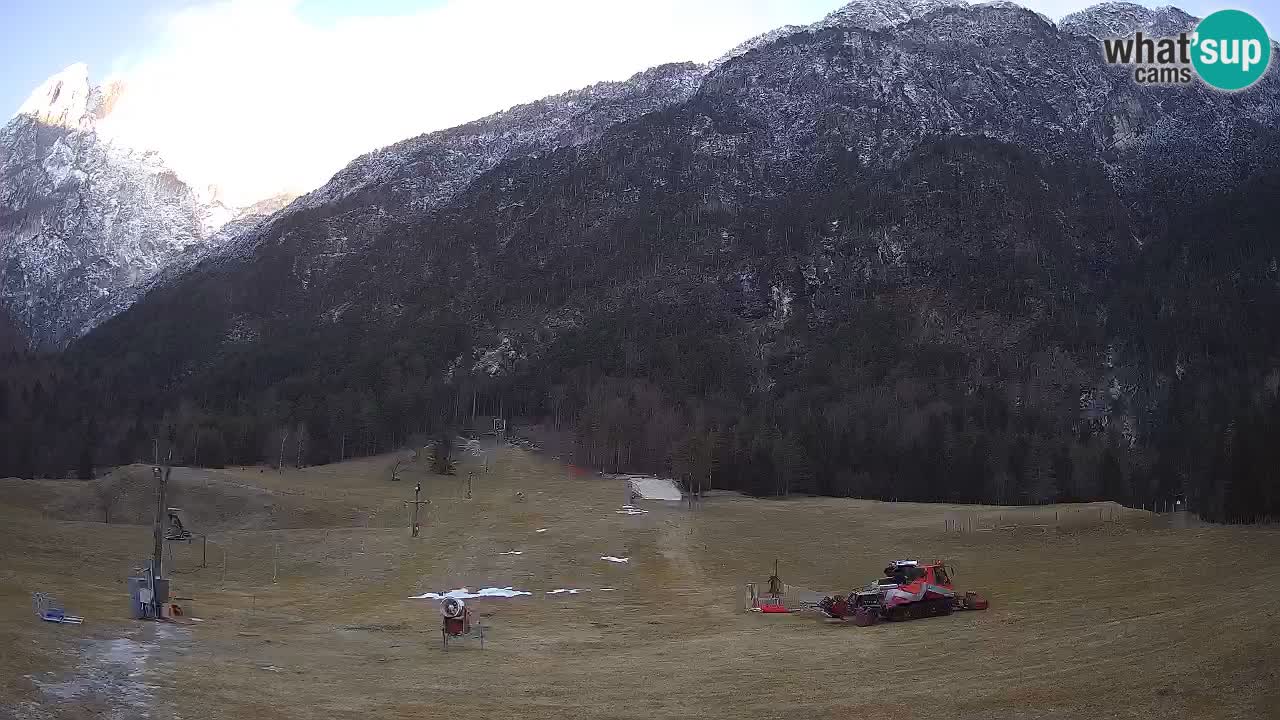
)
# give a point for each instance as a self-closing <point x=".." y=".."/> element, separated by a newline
<point x="49" y="609"/>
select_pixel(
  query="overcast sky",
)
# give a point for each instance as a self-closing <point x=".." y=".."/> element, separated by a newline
<point x="267" y="95"/>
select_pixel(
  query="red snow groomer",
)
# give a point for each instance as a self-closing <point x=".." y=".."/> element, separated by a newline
<point x="907" y="591"/>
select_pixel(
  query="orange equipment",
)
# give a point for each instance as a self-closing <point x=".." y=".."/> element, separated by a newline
<point x="908" y="590"/>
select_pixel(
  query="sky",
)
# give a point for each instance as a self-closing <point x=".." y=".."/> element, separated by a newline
<point x="264" y="96"/>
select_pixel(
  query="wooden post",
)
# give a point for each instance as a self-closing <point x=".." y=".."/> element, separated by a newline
<point x="204" y="551"/>
<point x="275" y="563"/>
<point x="284" y="435"/>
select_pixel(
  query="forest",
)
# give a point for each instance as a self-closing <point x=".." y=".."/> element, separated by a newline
<point x="988" y="340"/>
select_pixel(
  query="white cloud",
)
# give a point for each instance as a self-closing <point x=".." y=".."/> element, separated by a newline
<point x="250" y="96"/>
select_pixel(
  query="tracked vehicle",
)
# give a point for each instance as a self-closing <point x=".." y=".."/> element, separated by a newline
<point x="907" y="591"/>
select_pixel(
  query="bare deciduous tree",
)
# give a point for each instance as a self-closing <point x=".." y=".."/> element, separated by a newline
<point x="108" y="492"/>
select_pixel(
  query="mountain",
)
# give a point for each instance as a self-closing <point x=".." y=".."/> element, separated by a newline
<point x="428" y="170"/>
<point x="914" y="251"/>
<point x="84" y="220"/>
<point x="1121" y="19"/>
<point x="881" y="14"/>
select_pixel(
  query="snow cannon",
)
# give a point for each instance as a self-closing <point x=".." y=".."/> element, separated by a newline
<point x="455" y="622"/>
<point x="455" y="616"/>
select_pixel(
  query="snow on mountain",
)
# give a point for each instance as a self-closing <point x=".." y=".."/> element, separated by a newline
<point x="759" y="41"/>
<point x="1119" y="19"/>
<point x="88" y="223"/>
<point x="882" y="14"/>
<point x="866" y="14"/>
<point x="425" y="172"/>
<point x="446" y="161"/>
<point x="62" y="100"/>
<point x="83" y="218"/>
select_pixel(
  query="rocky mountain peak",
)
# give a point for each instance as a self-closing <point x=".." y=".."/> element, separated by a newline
<point x="63" y="100"/>
<point x="881" y="14"/>
<point x="865" y="14"/>
<point x="1117" y="19"/>
<point x="85" y="219"/>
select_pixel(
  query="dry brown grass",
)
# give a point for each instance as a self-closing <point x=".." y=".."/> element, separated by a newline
<point x="1121" y="620"/>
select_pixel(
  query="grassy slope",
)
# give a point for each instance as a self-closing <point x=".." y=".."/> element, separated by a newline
<point x="1123" y="621"/>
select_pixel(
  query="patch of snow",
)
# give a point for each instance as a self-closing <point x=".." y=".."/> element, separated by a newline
<point x="493" y="361"/>
<point x="512" y="552"/>
<point x="613" y="559"/>
<point x="464" y="594"/>
<point x="782" y="298"/>
<point x="648" y="487"/>
<point x="542" y="530"/>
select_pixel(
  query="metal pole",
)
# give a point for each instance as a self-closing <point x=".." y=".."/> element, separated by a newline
<point x="417" y="490"/>
<point x="157" y="530"/>
<point x="157" y="551"/>
<point x="204" y="551"/>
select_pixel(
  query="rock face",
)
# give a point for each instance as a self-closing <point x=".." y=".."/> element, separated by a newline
<point x="83" y="220"/>
<point x="1121" y="19"/>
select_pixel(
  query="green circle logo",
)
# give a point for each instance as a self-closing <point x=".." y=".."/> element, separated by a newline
<point x="1232" y="50"/>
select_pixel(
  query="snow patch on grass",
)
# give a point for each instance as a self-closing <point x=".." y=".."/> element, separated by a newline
<point x="465" y="594"/>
